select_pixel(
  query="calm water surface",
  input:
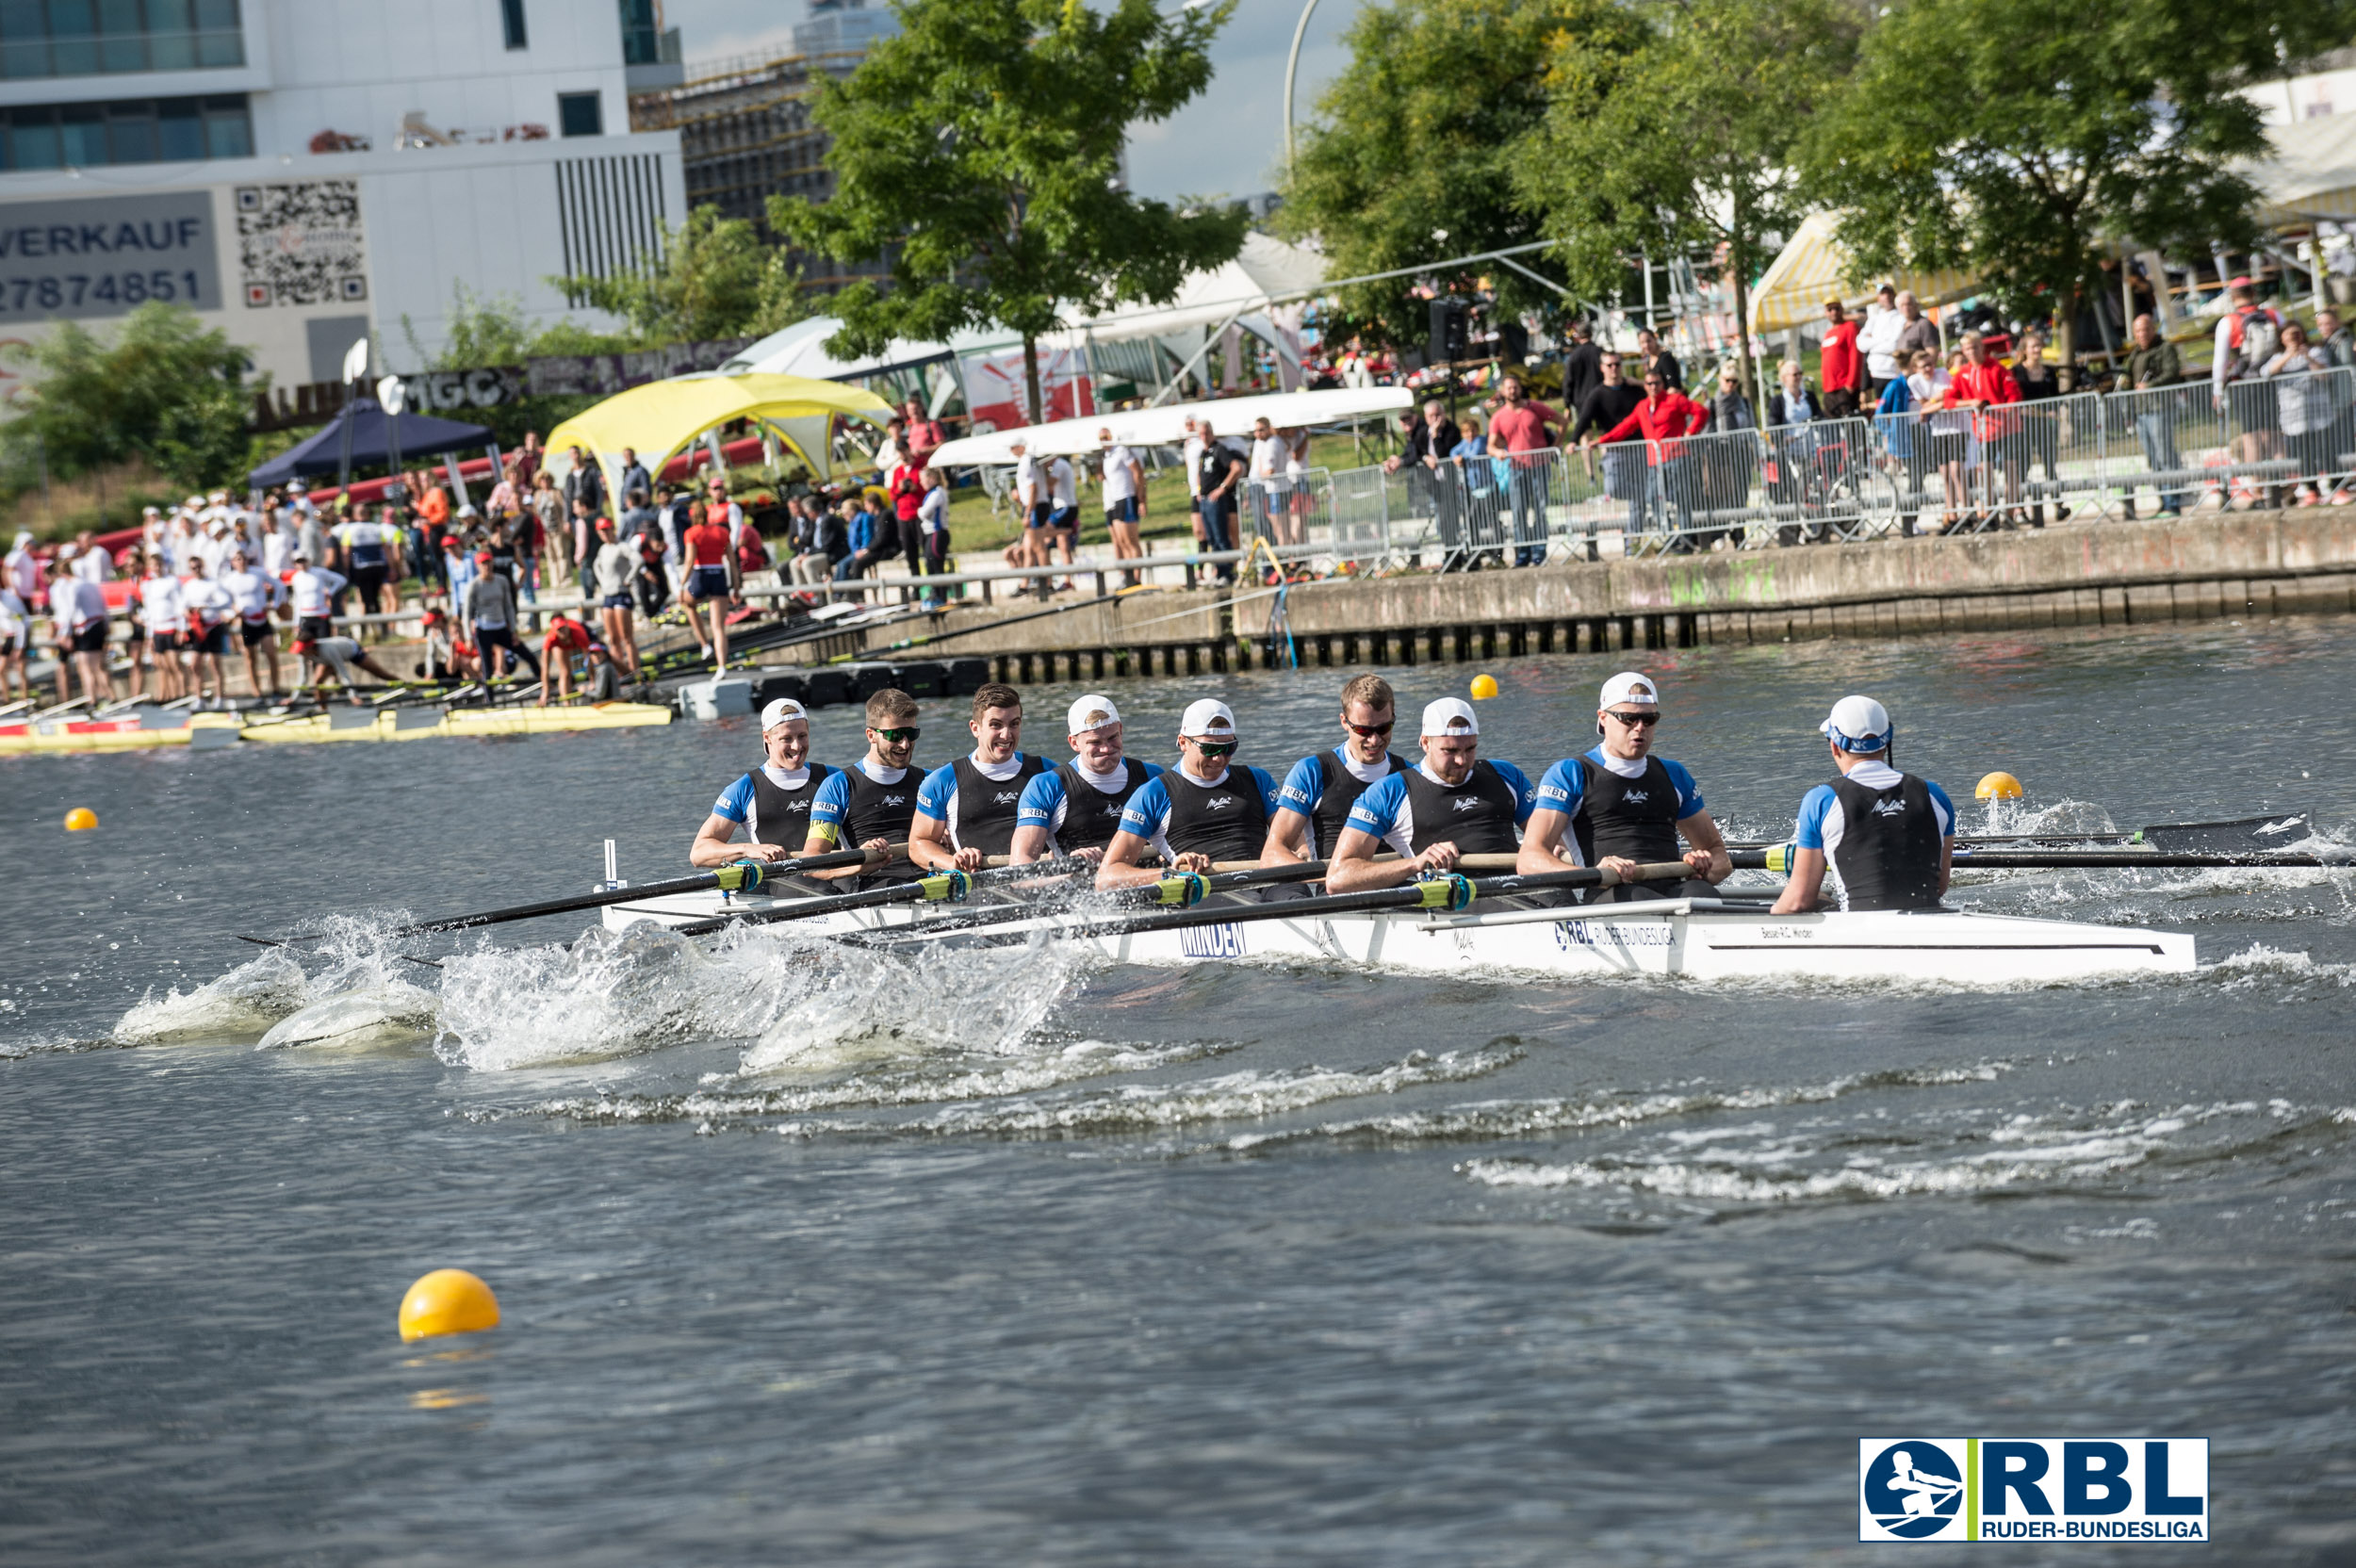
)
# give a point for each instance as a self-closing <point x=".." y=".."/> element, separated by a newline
<point x="1004" y="1259"/>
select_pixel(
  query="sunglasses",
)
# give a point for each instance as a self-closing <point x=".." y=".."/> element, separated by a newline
<point x="1369" y="731"/>
<point x="1634" y="721"/>
<point x="897" y="737"/>
<point x="1216" y="748"/>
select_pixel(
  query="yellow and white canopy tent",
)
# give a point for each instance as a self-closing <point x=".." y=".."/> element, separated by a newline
<point x="665" y="417"/>
<point x="2312" y="174"/>
<point x="1812" y="269"/>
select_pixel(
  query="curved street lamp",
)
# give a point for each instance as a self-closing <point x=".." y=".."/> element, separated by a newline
<point x="1292" y="68"/>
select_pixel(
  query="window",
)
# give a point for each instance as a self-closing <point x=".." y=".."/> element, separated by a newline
<point x="580" y="114"/>
<point x="512" y="18"/>
<point x="97" y="38"/>
<point x="642" y="40"/>
<point x="137" y="130"/>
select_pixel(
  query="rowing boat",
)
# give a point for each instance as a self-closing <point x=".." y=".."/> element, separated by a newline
<point x="1701" y="938"/>
<point x="146" y="728"/>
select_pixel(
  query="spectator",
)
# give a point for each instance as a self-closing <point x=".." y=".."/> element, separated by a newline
<point x="1651" y="356"/>
<point x="584" y="532"/>
<point x="1582" y="368"/>
<point x="1220" y="471"/>
<point x="16" y="631"/>
<point x="1906" y="442"/>
<point x="1878" y="338"/>
<point x="2037" y="441"/>
<point x="1191" y="454"/>
<point x="1624" y="472"/>
<point x="1122" y="479"/>
<point x="1791" y="410"/>
<point x="1950" y="428"/>
<point x="714" y="579"/>
<point x="634" y="475"/>
<point x="924" y="435"/>
<point x="2153" y="365"/>
<point x="582" y="481"/>
<point x="489" y="612"/>
<point x="613" y="568"/>
<point x="1916" y="333"/>
<point x="2303" y="404"/>
<point x="1269" y="490"/>
<point x="1031" y="507"/>
<point x="24" y="573"/>
<point x="1063" y="513"/>
<point x="867" y="547"/>
<point x="1985" y="387"/>
<point x="2338" y="343"/>
<point x="932" y="522"/>
<point x="638" y="517"/>
<point x="1727" y="482"/>
<point x="1842" y="371"/>
<point x="906" y="481"/>
<point x="548" y="507"/>
<point x="1730" y="410"/>
<point x="1663" y="419"/>
<point x="1519" y="425"/>
<point x="2247" y="336"/>
<point x="92" y="563"/>
<point x="1431" y="490"/>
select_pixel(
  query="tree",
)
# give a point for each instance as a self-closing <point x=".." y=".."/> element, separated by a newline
<point x="1414" y="155"/>
<point x="714" y="277"/>
<point x="483" y="330"/>
<point x="1685" y="141"/>
<point x="979" y="148"/>
<point x="166" y="391"/>
<point x="2026" y="141"/>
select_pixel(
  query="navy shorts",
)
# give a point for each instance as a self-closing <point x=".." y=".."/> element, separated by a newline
<point x="1064" y="519"/>
<point x="1122" y="511"/>
<point x="617" y="601"/>
<point x="215" y="641"/>
<point x="708" y="583"/>
<point x="90" y="638"/>
<point x="1041" y="516"/>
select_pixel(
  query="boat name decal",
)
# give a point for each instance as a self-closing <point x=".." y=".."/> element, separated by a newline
<point x="1569" y="934"/>
<point x="1786" y="934"/>
<point x="1212" y="942"/>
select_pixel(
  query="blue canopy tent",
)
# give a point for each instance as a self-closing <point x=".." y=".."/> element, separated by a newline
<point x="374" y="439"/>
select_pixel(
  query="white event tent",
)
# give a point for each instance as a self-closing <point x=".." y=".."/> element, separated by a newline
<point x="1166" y="425"/>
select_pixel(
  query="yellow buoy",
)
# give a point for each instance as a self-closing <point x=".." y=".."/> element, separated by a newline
<point x="81" y="820"/>
<point x="1484" y="686"/>
<point x="1999" y="786"/>
<point x="448" y="1302"/>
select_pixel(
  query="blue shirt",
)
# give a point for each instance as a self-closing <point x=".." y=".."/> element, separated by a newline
<point x="863" y="530"/>
<point x="1566" y="782"/>
<point x="1385" y="811"/>
<point x="1148" y="811"/>
<point x="1045" y="800"/>
<point x="833" y="799"/>
<point x="1821" y="823"/>
<point x="937" y="797"/>
<point x="736" y="801"/>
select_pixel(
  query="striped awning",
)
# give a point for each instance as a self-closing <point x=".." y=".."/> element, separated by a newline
<point x="2311" y="174"/>
<point x="1792" y="291"/>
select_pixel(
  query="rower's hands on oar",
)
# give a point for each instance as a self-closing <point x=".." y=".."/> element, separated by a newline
<point x="968" y="859"/>
<point x="1619" y="866"/>
<point x="1439" y="857"/>
<point x="1191" y="861"/>
<point x="1702" y="863"/>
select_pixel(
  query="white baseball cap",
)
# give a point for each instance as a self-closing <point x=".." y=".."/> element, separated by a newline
<point x="1629" y="686"/>
<point x="778" y="710"/>
<point x="1450" y="716"/>
<point x="1092" y="712"/>
<point x="1206" y="717"/>
<point x="1859" y="724"/>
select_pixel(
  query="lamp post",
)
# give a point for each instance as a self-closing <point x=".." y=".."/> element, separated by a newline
<point x="1292" y="68"/>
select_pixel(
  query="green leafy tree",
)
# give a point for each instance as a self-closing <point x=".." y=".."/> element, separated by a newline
<point x="1684" y="141"/>
<point x="164" y="390"/>
<point x="2026" y="141"/>
<point x="492" y="330"/>
<point x="1414" y="155"/>
<point x="979" y="149"/>
<point x="714" y="277"/>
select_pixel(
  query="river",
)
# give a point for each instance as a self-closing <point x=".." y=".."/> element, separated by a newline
<point x="1002" y="1258"/>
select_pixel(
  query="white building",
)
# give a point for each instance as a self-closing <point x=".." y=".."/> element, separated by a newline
<point x="309" y="170"/>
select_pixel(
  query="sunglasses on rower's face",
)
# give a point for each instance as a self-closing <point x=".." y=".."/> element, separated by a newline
<point x="1369" y="731"/>
<point x="1633" y="721"/>
<point x="1216" y="748"/>
<point x="898" y="737"/>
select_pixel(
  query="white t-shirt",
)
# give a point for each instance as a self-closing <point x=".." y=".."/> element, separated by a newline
<point x="160" y="605"/>
<point x="933" y="511"/>
<point x="1879" y="340"/>
<point x="1120" y="479"/>
<point x="1063" y="485"/>
<point x="1194" y="464"/>
<point x="254" y="593"/>
<point x="206" y="600"/>
<point x="74" y="603"/>
<point x="1027" y="492"/>
<point x="278" y="547"/>
<point x="1268" y="457"/>
<point x="313" y="588"/>
<point x="94" y="565"/>
<point x="12" y="613"/>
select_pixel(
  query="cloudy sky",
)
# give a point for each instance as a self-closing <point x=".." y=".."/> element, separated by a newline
<point x="1229" y="142"/>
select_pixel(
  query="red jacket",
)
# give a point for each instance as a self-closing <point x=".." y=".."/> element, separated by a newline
<point x="1988" y="383"/>
<point x="1661" y="424"/>
<point x="1842" y="367"/>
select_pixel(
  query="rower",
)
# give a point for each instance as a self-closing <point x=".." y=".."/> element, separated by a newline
<point x="871" y="804"/>
<point x="965" y="812"/>
<point x="1205" y="811"/>
<point x="1074" y="807"/>
<point x="1313" y="806"/>
<point x="1619" y="806"/>
<point x="1888" y="836"/>
<point x="772" y="804"/>
<point x="1453" y="804"/>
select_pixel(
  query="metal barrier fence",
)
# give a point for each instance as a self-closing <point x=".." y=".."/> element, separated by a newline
<point x="2277" y="440"/>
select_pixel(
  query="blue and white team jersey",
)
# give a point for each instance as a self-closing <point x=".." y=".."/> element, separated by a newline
<point x="833" y="801"/>
<point x="1387" y="812"/>
<point x="1565" y="783"/>
<point x="736" y="801"/>
<point x="1306" y="785"/>
<point x="1820" y="825"/>
<point x="1046" y="801"/>
<point x="1149" y="810"/>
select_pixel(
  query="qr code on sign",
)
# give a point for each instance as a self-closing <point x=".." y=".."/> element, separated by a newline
<point x="301" y="244"/>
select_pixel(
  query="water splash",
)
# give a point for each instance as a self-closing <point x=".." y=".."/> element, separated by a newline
<point x="244" y="1002"/>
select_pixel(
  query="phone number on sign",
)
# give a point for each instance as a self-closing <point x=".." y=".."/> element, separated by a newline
<point x="73" y="291"/>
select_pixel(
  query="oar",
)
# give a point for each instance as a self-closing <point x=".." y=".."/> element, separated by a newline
<point x="2146" y="836"/>
<point x="950" y="886"/>
<point x="745" y="877"/>
<point x="1464" y="862"/>
<point x="1778" y="859"/>
<point x="1183" y="890"/>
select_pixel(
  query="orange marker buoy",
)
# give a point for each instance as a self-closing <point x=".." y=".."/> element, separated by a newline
<point x="1999" y="786"/>
<point x="448" y="1302"/>
<point x="81" y="820"/>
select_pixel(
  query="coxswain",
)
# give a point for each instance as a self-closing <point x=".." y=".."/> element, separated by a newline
<point x="1452" y="804"/>
<point x="254" y="594"/>
<point x="772" y="802"/>
<point x="1074" y="809"/>
<point x="1619" y="806"/>
<point x="1207" y="809"/>
<point x="311" y="589"/>
<point x="1313" y="804"/>
<point x="871" y="804"/>
<point x="1889" y="837"/>
<point x="966" y="810"/>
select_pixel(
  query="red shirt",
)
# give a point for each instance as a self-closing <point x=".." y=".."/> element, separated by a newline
<point x="907" y="491"/>
<point x="1841" y="366"/>
<point x="706" y="545"/>
<point x="571" y="636"/>
<point x="1661" y="424"/>
<point x="1521" y="427"/>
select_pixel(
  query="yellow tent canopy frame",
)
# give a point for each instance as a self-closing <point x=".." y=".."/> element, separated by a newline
<point x="1792" y="291"/>
<point x="665" y="417"/>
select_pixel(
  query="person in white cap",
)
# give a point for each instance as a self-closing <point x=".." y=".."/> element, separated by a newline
<point x="1074" y="807"/>
<point x="772" y="802"/>
<point x="1454" y="802"/>
<point x="1313" y="804"/>
<point x="1889" y="837"/>
<point x="1206" y="810"/>
<point x="965" y="809"/>
<point x="1620" y="807"/>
